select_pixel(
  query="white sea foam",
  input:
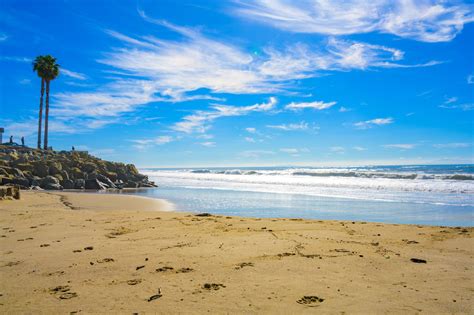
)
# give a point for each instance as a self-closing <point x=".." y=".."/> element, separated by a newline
<point x="398" y="185"/>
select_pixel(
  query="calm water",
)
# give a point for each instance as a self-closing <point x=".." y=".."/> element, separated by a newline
<point x="418" y="194"/>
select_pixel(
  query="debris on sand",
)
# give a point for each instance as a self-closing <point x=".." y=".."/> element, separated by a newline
<point x="310" y="299"/>
<point x="418" y="260"/>
<point x="156" y="296"/>
<point x="213" y="286"/>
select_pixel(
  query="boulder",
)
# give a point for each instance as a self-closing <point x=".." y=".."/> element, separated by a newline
<point x="106" y="181"/>
<point x="79" y="183"/>
<point x="67" y="184"/>
<point x="35" y="181"/>
<point x="51" y="186"/>
<point x="89" y="167"/>
<point x="24" y="183"/>
<point x="9" y="192"/>
<point x="131" y="184"/>
<point x="94" y="184"/>
<point x="55" y="168"/>
<point x="40" y="169"/>
<point x="49" y="181"/>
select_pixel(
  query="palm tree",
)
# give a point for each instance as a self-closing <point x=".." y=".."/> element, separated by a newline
<point x="51" y="72"/>
<point x="39" y="68"/>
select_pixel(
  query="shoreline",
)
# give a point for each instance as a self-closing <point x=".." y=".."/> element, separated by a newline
<point x="58" y="260"/>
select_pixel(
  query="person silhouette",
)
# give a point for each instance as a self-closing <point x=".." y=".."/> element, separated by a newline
<point x="11" y="139"/>
<point x="73" y="148"/>
<point x="22" y="141"/>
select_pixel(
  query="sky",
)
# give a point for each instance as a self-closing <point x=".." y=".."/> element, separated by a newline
<point x="245" y="83"/>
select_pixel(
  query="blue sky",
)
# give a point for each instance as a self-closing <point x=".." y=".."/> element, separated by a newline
<point x="245" y="83"/>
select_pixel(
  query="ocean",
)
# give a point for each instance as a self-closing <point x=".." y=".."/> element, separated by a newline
<point x="413" y="194"/>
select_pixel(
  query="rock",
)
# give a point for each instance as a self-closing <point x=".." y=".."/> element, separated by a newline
<point x="9" y="192"/>
<point x="24" y="183"/>
<point x="106" y="181"/>
<point x="55" y="168"/>
<point x="94" y="184"/>
<point x="131" y="184"/>
<point x="79" y="183"/>
<point x="50" y="183"/>
<point x="35" y="181"/>
<point x="67" y="184"/>
<point x="40" y="169"/>
<point x="88" y="167"/>
<point x="51" y="186"/>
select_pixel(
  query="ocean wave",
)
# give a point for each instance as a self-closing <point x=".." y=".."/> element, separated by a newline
<point x="339" y="173"/>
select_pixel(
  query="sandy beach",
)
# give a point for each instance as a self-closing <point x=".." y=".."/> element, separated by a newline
<point x="94" y="253"/>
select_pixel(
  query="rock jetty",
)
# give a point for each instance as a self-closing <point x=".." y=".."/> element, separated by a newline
<point x="29" y="168"/>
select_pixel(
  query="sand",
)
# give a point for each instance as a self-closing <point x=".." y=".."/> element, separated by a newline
<point x="92" y="253"/>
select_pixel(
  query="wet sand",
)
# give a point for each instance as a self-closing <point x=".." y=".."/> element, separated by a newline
<point x="91" y="253"/>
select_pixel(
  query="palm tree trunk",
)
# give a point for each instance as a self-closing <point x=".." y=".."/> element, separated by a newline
<point x="46" y="117"/>
<point x="40" y="119"/>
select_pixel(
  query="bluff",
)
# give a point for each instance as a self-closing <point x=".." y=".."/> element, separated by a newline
<point x="56" y="170"/>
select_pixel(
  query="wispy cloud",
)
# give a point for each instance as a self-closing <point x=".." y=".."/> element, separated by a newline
<point x="373" y="122"/>
<point x="359" y="148"/>
<point x="453" y="145"/>
<point x="255" y="154"/>
<point x="294" y="151"/>
<point x="3" y="37"/>
<point x="200" y="121"/>
<point x="251" y="130"/>
<point x="450" y="100"/>
<point x="250" y="139"/>
<point x="343" y="109"/>
<point x="337" y="149"/>
<point x="463" y="107"/>
<point x="470" y="79"/>
<point x="15" y="59"/>
<point x="401" y="146"/>
<point x="318" y="105"/>
<point x="143" y="144"/>
<point x="24" y="81"/>
<point x="72" y="74"/>
<point x="208" y="144"/>
<point x="428" y="21"/>
<point x="301" y="126"/>
<point x="146" y="69"/>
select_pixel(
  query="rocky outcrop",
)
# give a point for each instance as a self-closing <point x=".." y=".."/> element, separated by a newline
<point x="9" y="192"/>
<point x="52" y="170"/>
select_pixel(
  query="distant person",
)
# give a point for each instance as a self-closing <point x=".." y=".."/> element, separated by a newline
<point x="11" y="139"/>
<point x="73" y="148"/>
<point x="22" y="141"/>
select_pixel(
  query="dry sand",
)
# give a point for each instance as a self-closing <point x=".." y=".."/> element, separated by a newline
<point x="86" y="253"/>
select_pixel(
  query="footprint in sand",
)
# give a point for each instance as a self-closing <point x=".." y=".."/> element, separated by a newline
<point x="63" y="291"/>
<point x="244" y="264"/>
<point x="212" y="286"/>
<point x="184" y="270"/>
<point x="310" y="299"/>
<point x="164" y="269"/>
<point x="134" y="281"/>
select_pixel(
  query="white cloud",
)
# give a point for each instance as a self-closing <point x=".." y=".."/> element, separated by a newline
<point x="251" y="130"/>
<point x="255" y="154"/>
<point x="72" y="74"/>
<point x="402" y="146"/>
<point x="358" y="148"/>
<point x="249" y="139"/>
<point x="24" y="81"/>
<point x="301" y="126"/>
<point x="427" y="20"/>
<point x="450" y="100"/>
<point x="454" y="145"/>
<point x="343" y="109"/>
<point x="146" y="69"/>
<point x="373" y="122"/>
<point x="208" y="144"/>
<point x="200" y="120"/>
<point x="463" y="107"/>
<point x="318" y="105"/>
<point x="3" y="37"/>
<point x="470" y="79"/>
<point x="289" y="150"/>
<point x="337" y="149"/>
<point x="143" y="144"/>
